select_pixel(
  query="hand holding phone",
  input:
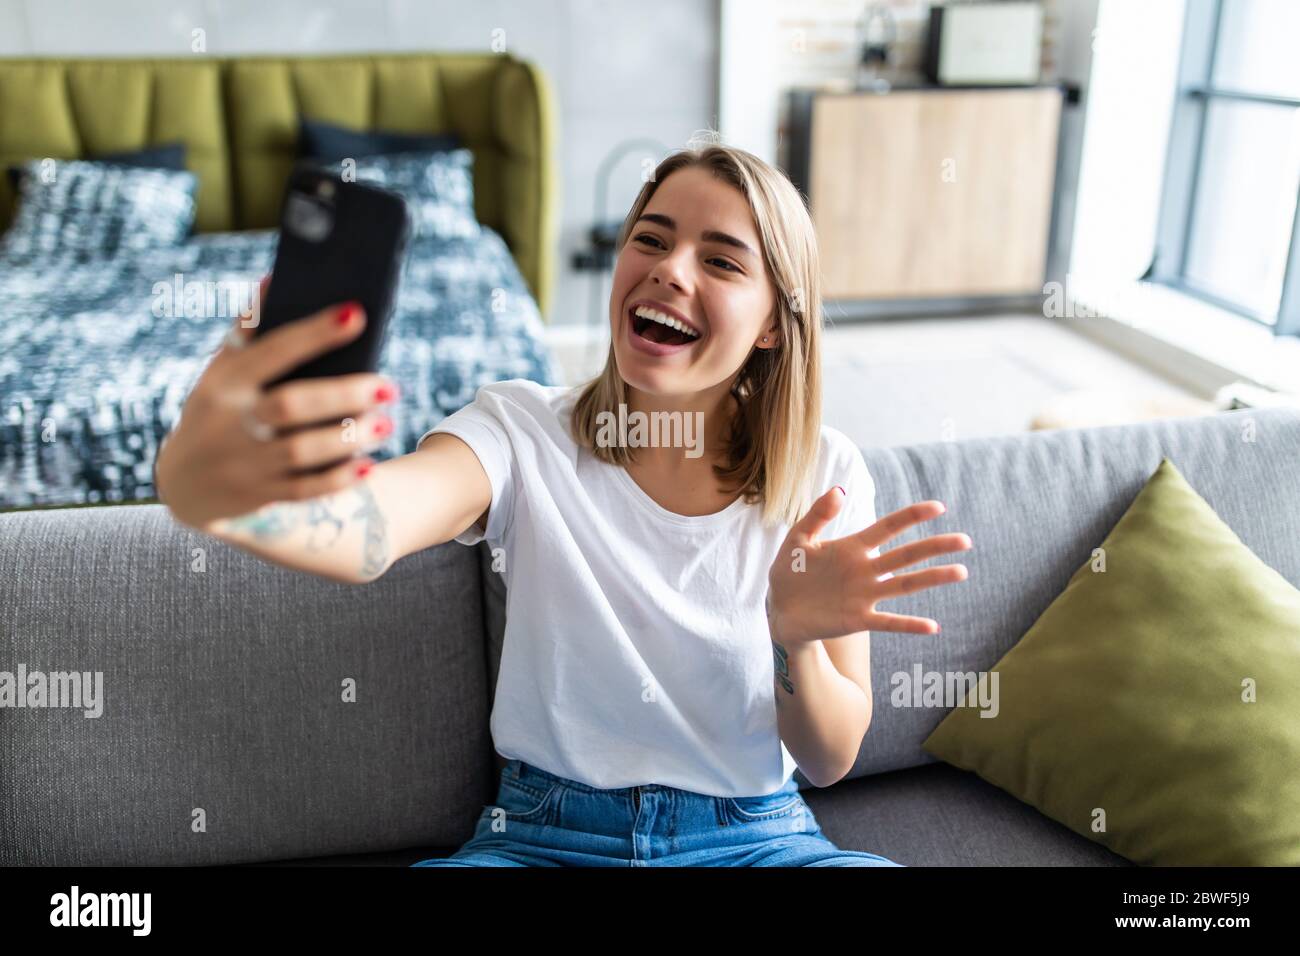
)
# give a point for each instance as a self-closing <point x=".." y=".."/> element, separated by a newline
<point x="214" y="465"/>
<point x="285" y="406"/>
<point x="339" y="242"/>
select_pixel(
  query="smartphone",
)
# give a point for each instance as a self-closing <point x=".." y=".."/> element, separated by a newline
<point x="339" y="241"/>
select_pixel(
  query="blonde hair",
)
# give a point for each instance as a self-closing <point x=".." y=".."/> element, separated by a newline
<point x="772" y="443"/>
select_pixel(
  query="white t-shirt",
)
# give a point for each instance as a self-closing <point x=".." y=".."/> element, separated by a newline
<point x="636" y="648"/>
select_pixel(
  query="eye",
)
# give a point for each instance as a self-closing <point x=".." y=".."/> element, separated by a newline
<point x="646" y="235"/>
<point x="725" y="262"/>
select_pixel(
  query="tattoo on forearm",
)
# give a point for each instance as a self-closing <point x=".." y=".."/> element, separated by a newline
<point x="273" y="521"/>
<point x="781" y="667"/>
<point x="375" y="551"/>
<point x="318" y="515"/>
<point x="278" y="520"/>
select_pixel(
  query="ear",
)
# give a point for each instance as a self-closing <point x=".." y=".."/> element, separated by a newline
<point x="770" y="330"/>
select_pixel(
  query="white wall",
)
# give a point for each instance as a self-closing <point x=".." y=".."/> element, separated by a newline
<point x="620" y="68"/>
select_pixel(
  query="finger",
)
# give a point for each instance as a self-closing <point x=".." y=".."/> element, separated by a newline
<point x="312" y="447"/>
<point x="896" y="522"/>
<point x="300" y="487"/>
<point x="285" y="347"/>
<point x="309" y="401"/>
<point x="914" y="581"/>
<point x="901" y="624"/>
<point x="823" y="510"/>
<point x="922" y="550"/>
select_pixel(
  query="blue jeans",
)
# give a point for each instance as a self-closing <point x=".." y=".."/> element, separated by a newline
<point x="546" y="820"/>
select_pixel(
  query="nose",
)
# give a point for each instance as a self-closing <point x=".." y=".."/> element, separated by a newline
<point x="669" y="270"/>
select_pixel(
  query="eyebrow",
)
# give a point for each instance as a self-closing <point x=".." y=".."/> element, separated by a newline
<point x="709" y="235"/>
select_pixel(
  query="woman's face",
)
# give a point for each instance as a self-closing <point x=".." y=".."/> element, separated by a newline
<point x="694" y="254"/>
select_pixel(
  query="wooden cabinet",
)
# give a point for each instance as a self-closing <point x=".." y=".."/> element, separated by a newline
<point x="928" y="193"/>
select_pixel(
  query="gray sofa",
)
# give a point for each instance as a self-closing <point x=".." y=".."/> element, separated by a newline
<point x="225" y="736"/>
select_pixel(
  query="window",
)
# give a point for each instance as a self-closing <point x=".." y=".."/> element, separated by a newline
<point x="1227" y="229"/>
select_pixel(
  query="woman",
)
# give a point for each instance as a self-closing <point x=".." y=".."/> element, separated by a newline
<point x="683" y="628"/>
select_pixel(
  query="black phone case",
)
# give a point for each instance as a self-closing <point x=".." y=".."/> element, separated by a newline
<point x="359" y="260"/>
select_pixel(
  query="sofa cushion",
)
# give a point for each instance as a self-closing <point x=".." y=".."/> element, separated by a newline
<point x="927" y="816"/>
<point x="1153" y="706"/>
<point x="941" y="816"/>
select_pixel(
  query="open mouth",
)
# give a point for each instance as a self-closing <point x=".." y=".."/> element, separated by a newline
<point x="659" y="333"/>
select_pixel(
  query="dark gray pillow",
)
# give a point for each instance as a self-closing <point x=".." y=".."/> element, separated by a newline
<point x="164" y="156"/>
<point x="333" y="144"/>
<point x="86" y="209"/>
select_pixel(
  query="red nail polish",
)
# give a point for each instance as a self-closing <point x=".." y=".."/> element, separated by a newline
<point x="348" y="313"/>
<point x="385" y="393"/>
<point x="383" y="426"/>
<point x="364" y="469"/>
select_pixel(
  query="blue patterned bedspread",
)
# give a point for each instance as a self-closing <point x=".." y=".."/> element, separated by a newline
<point x="91" y="379"/>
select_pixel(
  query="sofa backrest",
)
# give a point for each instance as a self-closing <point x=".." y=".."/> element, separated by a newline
<point x="249" y="712"/>
<point x="238" y="118"/>
<point x="1035" y="506"/>
<point x="224" y="676"/>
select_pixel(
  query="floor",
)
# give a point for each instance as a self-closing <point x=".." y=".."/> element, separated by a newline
<point x="909" y="381"/>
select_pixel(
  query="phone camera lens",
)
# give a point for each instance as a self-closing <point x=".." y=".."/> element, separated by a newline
<point x="308" y="218"/>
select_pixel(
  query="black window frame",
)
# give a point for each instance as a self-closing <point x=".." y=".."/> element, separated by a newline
<point x="1196" y="91"/>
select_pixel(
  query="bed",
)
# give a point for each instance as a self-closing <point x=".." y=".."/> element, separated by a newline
<point x="92" y="376"/>
<point x="91" y="379"/>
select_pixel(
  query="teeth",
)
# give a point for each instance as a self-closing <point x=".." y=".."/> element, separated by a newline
<point x="645" y="312"/>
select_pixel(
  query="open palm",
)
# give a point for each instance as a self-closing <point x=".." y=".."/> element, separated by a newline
<point x="823" y="589"/>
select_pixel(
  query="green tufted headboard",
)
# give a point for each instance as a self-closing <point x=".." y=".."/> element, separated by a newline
<point x="238" y="118"/>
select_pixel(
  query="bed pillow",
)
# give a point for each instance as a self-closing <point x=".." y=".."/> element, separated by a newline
<point x="86" y="209"/>
<point x="333" y="144"/>
<point x="165" y="156"/>
<point x="438" y="188"/>
<point x="1153" y="707"/>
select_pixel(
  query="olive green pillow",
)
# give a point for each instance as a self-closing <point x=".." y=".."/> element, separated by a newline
<point x="1154" y="707"/>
